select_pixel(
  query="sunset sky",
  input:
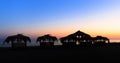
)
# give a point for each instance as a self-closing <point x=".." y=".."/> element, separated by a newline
<point x="60" y="17"/>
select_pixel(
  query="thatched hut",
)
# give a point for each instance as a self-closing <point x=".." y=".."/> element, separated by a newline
<point x="18" y="40"/>
<point x="69" y="40"/>
<point x="80" y="37"/>
<point x="100" y="39"/>
<point x="46" y="40"/>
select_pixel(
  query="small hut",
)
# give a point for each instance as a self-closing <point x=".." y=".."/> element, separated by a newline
<point x="46" y="40"/>
<point x="18" y="40"/>
<point x="100" y="40"/>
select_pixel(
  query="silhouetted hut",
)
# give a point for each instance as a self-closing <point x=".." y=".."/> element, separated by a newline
<point x="100" y="39"/>
<point x="68" y="40"/>
<point x="18" y="40"/>
<point x="83" y="38"/>
<point x="80" y="37"/>
<point x="46" y="40"/>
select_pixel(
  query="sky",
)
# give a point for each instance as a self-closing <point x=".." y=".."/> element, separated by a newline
<point x="60" y="17"/>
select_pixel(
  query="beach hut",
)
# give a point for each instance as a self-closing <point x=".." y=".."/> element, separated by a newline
<point x="46" y="40"/>
<point x="101" y="39"/>
<point x="68" y="40"/>
<point x="79" y="36"/>
<point x="82" y="37"/>
<point x="18" y="40"/>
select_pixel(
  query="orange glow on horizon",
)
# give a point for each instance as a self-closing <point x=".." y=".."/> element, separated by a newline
<point x="62" y="33"/>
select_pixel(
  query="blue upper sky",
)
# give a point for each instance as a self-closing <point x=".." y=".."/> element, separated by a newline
<point x="51" y="16"/>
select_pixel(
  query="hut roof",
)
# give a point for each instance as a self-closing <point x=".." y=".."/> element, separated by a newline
<point x="101" y="37"/>
<point x="47" y="36"/>
<point x="17" y="37"/>
<point x="80" y="33"/>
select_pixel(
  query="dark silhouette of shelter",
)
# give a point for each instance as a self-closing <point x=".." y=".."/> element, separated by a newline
<point x="18" y="40"/>
<point x="46" y="40"/>
<point x="69" y="40"/>
<point x="80" y="37"/>
<point x="83" y="39"/>
<point x="100" y="39"/>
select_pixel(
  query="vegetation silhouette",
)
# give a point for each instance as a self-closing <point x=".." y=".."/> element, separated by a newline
<point x="46" y="40"/>
<point x="18" y="40"/>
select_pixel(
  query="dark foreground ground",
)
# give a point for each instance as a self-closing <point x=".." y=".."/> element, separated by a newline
<point x="59" y="54"/>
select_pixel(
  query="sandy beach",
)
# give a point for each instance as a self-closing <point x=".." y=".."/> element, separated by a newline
<point x="60" y="54"/>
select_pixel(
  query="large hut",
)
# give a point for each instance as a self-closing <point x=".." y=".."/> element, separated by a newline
<point x="46" y="40"/>
<point x="18" y="40"/>
<point x="82" y="37"/>
<point x="78" y="36"/>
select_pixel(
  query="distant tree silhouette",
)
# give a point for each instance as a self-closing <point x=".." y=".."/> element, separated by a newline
<point x="18" y="40"/>
<point x="46" y="40"/>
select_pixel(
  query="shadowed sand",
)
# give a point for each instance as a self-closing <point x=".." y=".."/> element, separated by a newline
<point x="60" y="54"/>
